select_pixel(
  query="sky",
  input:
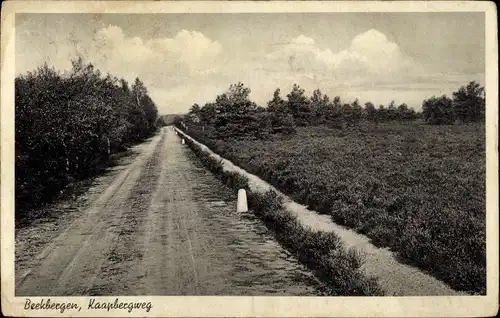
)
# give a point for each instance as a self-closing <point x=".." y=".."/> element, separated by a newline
<point x="191" y="58"/>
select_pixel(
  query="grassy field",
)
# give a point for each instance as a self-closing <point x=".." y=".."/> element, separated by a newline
<point x="415" y="188"/>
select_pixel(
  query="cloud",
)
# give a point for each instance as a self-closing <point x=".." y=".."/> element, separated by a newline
<point x="369" y="54"/>
<point x="173" y="68"/>
<point x="197" y="52"/>
<point x="187" y="51"/>
<point x="371" y="68"/>
<point x="112" y="44"/>
<point x="189" y="67"/>
<point x="303" y="40"/>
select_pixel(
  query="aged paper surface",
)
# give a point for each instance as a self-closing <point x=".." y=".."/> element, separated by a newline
<point x="185" y="51"/>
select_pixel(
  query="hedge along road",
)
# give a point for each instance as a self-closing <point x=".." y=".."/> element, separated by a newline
<point x="158" y="224"/>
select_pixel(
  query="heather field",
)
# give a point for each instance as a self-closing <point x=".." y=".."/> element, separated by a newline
<point x="415" y="188"/>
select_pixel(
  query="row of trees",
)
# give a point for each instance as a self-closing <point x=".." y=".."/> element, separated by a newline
<point x="318" y="109"/>
<point x="67" y="124"/>
<point x="233" y="113"/>
<point x="468" y="105"/>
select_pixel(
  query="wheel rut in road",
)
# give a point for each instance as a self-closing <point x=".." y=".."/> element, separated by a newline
<point x="163" y="225"/>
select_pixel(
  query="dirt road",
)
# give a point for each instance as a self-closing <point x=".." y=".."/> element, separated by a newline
<point x="158" y="224"/>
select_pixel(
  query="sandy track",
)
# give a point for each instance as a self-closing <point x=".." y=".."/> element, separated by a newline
<point x="70" y="257"/>
<point x="160" y="225"/>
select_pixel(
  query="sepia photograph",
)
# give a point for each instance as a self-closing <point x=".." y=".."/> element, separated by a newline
<point x="301" y="152"/>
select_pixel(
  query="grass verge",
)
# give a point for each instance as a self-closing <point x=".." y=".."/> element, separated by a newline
<point x="321" y="252"/>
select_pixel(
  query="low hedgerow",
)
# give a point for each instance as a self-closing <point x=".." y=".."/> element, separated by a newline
<point x="322" y="252"/>
<point x="231" y="179"/>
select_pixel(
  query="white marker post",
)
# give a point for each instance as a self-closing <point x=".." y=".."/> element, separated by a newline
<point x="183" y="142"/>
<point x="242" y="205"/>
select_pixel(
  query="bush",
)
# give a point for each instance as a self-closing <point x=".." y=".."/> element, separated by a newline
<point x="74" y="122"/>
<point x="468" y="105"/>
<point x="438" y="111"/>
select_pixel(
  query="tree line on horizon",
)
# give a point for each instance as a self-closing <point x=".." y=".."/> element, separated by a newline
<point x="234" y="114"/>
<point x="68" y="124"/>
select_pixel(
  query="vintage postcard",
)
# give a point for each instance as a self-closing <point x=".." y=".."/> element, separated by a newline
<point x="249" y="159"/>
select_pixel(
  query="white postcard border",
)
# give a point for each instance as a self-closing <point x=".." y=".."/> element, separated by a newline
<point x="239" y="306"/>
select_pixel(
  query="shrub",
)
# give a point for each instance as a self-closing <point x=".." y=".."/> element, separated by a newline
<point x="74" y="122"/>
<point x="438" y="111"/>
